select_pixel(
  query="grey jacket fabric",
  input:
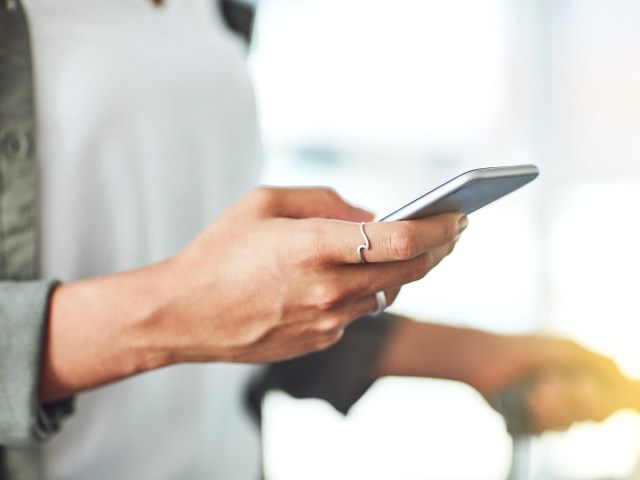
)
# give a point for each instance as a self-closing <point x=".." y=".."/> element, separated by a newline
<point x="24" y="422"/>
<point x="23" y="310"/>
<point x="23" y="299"/>
<point x="19" y="221"/>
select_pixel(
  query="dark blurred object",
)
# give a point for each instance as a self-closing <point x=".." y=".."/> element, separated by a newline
<point x="239" y="17"/>
<point x="511" y="403"/>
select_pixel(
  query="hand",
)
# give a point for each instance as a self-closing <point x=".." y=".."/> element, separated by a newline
<point x="278" y="275"/>
<point x="537" y="382"/>
<point x="556" y="399"/>
<point x="561" y="383"/>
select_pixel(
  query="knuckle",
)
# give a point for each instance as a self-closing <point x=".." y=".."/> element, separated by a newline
<point x="307" y="249"/>
<point x="452" y="230"/>
<point x="330" y="325"/>
<point x="444" y="229"/>
<point x="315" y="243"/>
<point x="403" y="243"/>
<point x="326" y="296"/>
<point x="449" y="231"/>
<point x="421" y="266"/>
<point x="315" y="254"/>
<point x="262" y="196"/>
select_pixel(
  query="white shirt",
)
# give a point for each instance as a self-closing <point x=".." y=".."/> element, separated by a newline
<point x="147" y="132"/>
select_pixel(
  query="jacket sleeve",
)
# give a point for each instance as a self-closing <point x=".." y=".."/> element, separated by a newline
<point x="23" y="318"/>
<point x="340" y="374"/>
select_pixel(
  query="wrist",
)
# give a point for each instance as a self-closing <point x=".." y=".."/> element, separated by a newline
<point x="495" y="361"/>
<point x="100" y="330"/>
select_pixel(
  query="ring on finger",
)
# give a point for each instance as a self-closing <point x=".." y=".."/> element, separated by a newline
<point x="365" y="245"/>
<point x="381" y="302"/>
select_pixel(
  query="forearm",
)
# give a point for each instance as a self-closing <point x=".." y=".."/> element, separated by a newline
<point x="463" y="354"/>
<point x="101" y="330"/>
<point x="542" y="382"/>
<point x="228" y="296"/>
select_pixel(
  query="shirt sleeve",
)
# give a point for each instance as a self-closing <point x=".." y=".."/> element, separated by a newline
<point x="340" y="374"/>
<point x="23" y="318"/>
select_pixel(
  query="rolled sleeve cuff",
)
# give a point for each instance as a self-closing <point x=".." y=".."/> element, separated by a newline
<point x="24" y="308"/>
<point x="340" y="375"/>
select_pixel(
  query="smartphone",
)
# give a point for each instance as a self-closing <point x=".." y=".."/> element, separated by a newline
<point x="467" y="192"/>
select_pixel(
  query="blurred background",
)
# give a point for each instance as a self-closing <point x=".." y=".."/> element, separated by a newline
<point x="385" y="99"/>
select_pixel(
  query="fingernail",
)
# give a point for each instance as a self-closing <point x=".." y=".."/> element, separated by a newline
<point x="462" y="223"/>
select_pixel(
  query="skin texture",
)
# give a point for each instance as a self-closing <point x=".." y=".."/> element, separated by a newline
<point x="276" y="276"/>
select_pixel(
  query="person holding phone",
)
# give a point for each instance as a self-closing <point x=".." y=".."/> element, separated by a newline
<point x="149" y="151"/>
<point x="149" y="155"/>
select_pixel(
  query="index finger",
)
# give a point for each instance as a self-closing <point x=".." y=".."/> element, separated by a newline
<point x="389" y="241"/>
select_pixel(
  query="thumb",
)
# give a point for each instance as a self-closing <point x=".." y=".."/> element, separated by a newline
<point x="314" y="203"/>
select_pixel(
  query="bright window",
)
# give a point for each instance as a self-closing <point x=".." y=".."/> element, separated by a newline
<point x="382" y="99"/>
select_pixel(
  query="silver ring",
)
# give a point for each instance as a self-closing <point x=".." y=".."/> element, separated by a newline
<point x="365" y="245"/>
<point x="381" y="302"/>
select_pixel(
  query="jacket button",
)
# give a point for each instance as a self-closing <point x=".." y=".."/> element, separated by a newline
<point x="10" y="145"/>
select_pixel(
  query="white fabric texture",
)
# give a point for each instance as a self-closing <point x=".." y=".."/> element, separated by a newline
<point x="147" y="132"/>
